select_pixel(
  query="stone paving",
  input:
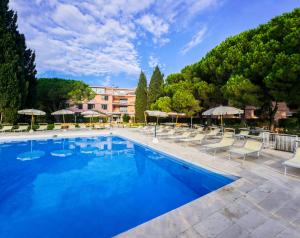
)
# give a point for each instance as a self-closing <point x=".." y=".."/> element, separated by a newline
<point x="262" y="203"/>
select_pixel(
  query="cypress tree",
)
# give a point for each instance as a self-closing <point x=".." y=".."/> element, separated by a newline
<point x="141" y="98"/>
<point x="17" y="68"/>
<point x="156" y="86"/>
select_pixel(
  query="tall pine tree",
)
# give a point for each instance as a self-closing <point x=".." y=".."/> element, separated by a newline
<point x="156" y="86"/>
<point x="141" y="98"/>
<point x="17" y="68"/>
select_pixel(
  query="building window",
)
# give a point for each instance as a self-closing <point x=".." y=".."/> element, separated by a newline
<point x="79" y="106"/>
<point x="104" y="106"/>
<point x="105" y="98"/>
<point x="123" y="109"/>
<point x="91" y="106"/>
<point x="123" y="101"/>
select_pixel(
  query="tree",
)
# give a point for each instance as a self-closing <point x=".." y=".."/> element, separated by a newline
<point x="17" y="68"/>
<point x="241" y="92"/>
<point x="156" y="86"/>
<point x="54" y="93"/>
<point x="141" y="98"/>
<point x="184" y="101"/>
<point x="162" y="104"/>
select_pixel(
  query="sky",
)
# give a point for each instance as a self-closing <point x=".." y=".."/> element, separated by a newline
<point x="109" y="42"/>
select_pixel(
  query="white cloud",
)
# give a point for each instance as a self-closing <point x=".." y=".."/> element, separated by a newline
<point x="153" y="61"/>
<point x="196" y="40"/>
<point x="100" y="37"/>
<point x="155" y="25"/>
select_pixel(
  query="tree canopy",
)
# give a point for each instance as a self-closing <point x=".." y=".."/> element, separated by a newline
<point x="53" y="93"/>
<point x="257" y="67"/>
<point x="17" y="67"/>
<point x="141" y="98"/>
<point x="155" y="86"/>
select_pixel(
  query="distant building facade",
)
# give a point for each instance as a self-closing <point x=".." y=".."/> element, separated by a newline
<point x="110" y="100"/>
<point x="283" y="111"/>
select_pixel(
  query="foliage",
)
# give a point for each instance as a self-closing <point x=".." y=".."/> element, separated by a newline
<point x="17" y="67"/>
<point x="241" y="92"/>
<point x="156" y="86"/>
<point x="184" y="101"/>
<point x="53" y="93"/>
<point x="126" y="118"/>
<point x="256" y="67"/>
<point x="141" y="98"/>
<point x="162" y="104"/>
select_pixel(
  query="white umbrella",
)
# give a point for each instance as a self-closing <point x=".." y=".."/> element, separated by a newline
<point x="63" y="112"/>
<point x="32" y="113"/>
<point x="156" y="114"/>
<point x="91" y="114"/>
<point x="222" y="111"/>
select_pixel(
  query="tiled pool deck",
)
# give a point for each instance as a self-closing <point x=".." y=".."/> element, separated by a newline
<point x="263" y="203"/>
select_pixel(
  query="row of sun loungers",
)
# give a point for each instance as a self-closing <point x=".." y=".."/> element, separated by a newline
<point x="252" y="146"/>
<point x="44" y="127"/>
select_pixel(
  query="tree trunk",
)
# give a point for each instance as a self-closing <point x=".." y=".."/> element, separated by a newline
<point x="272" y="112"/>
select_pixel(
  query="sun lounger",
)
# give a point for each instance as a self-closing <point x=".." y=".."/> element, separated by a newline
<point x="293" y="162"/>
<point x="72" y="127"/>
<point x="98" y="126"/>
<point x="226" y="142"/>
<point x="196" y="138"/>
<point x="6" y="128"/>
<point x="250" y="147"/>
<point x="82" y="126"/>
<point x="21" y="128"/>
<point x="57" y="127"/>
<point x="182" y="136"/>
<point x="168" y="133"/>
<point x="213" y="132"/>
<point x="243" y="134"/>
<point x="42" y="127"/>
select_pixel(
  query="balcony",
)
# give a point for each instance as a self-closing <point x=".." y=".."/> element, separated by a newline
<point x="122" y="103"/>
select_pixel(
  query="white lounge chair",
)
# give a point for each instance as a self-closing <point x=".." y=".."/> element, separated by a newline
<point x="167" y="133"/>
<point x="98" y="126"/>
<point x="293" y="162"/>
<point x="82" y="126"/>
<point x="72" y="127"/>
<point x="42" y="127"/>
<point x="243" y="134"/>
<point x="57" y="126"/>
<point x="182" y="136"/>
<point x="21" y="128"/>
<point x="213" y="132"/>
<point x="250" y="147"/>
<point x="225" y="142"/>
<point x="6" y="128"/>
<point x="196" y="138"/>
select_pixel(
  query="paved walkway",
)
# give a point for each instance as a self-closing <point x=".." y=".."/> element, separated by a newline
<point x="263" y="203"/>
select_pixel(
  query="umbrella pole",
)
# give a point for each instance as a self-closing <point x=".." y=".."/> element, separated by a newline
<point x="191" y="122"/>
<point x="64" y="118"/>
<point x="31" y="122"/>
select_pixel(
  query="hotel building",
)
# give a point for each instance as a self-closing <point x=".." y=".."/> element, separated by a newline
<point x="110" y="100"/>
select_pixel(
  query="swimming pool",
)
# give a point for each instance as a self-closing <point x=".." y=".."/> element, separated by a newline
<point x="92" y="187"/>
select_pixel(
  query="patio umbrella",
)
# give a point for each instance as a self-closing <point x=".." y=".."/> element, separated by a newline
<point x="157" y="114"/>
<point x="63" y="112"/>
<point x="222" y="111"/>
<point x="32" y="113"/>
<point x="91" y="114"/>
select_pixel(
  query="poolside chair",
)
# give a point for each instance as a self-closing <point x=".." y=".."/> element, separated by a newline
<point x="98" y="126"/>
<point x="42" y="127"/>
<point x="21" y="128"/>
<point x="243" y="134"/>
<point x="6" y="128"/>
<point x="181" y="136"/>
<point x="167" y="133"/>
<point x="293" y="162"/>
<point x="225" y="142"/>
<point x="213" y="132"/>
<point x="82" y="126"/>
<point x="250" y="147"/>
<point x="196" y="138"/>
<point x="57" y="126"/>
<point x="72" y="127"/>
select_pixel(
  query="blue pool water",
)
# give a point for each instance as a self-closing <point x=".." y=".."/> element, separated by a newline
<point x="91" y="187"/>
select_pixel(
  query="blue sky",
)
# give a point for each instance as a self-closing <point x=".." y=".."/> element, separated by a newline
<point x="108" y="42"/>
